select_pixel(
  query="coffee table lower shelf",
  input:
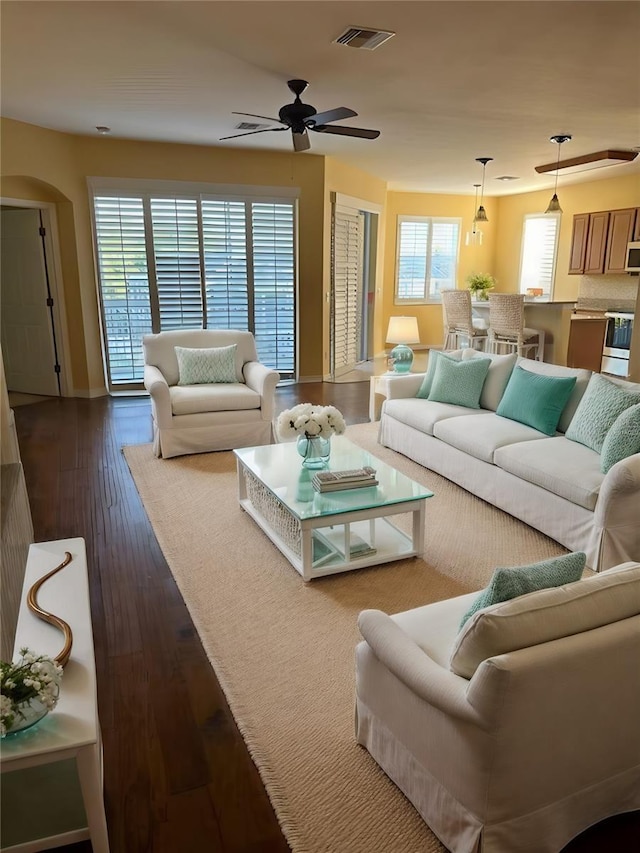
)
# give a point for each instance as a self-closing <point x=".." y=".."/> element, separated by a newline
<point x="345" y="541"/>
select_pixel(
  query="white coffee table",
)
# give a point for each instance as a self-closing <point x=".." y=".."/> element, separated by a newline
<point x="323" y="534"/>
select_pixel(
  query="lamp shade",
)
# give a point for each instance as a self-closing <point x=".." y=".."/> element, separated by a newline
<point x="403" y="330"/>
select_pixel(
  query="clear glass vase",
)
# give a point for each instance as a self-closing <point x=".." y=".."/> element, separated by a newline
<point x="29" y="713"/>
<point x="315" y="451"/>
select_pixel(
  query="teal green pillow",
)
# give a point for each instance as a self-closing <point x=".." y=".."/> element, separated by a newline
<point x="459" y="382"/>
<point x="434" y="356"/>
<point x="206" y="365"/>
<point x="510" y="583"/>
<point x="535" y="400"/>
<point x="623" y="439"/>
<point x="602" y="403"/>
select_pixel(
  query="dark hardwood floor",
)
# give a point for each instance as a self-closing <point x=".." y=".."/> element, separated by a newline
<point x="177" y="775"/>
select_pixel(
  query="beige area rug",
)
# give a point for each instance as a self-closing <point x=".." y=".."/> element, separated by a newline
<point x="283" y="649"/>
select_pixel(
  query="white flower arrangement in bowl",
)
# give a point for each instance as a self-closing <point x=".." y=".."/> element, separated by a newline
<point x="29" y="690"/>
<point x="310" y="421"/>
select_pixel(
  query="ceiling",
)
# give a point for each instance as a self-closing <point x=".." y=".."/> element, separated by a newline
<point x="459" y="80"/>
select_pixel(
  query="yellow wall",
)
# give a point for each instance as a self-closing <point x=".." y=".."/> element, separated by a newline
<point x="471" y="259"/>
<point x="607" y="194"/>
<point x="340" y="178"/>
<point x="64" y="161"/>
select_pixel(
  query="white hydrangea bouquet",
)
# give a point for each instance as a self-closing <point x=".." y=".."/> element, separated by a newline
<point x="33" y="678"/>
<point x="310" y="421"/>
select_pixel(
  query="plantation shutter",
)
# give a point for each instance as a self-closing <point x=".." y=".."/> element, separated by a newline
<point x="412" y="260"/>
<point x="124" y="284"/>
<point x="347" y="288"/>
<point x="273" y="283"/>
<point x="539" y="247"/>
<point x="444" y="248"/>
<point x="176" y="247"/>
<point x="225" y="253"/>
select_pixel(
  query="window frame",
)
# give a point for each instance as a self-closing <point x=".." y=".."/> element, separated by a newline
<point x="557" y="217"/>
<point x="145" y="190"/>
<point x="430" y="297"/>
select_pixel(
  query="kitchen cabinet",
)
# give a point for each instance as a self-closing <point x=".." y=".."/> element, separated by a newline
<point x="621" y="227"/>
<point x="599" y="241"/>
<point x="586" y="340"/>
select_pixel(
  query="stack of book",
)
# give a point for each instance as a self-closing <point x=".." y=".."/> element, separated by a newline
<point x="333" y="481"/>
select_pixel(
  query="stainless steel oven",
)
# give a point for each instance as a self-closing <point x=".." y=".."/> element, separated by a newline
<point x="617" y="343"/>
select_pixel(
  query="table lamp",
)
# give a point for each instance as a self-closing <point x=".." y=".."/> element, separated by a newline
<point x="402" y="331"/>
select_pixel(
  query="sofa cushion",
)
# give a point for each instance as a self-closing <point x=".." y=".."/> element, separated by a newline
<point x="193" y="399"/>
<point x="623" y="439"/>
<point x="546" y="369"/>
<point x="434" y="356"/>
<point x="498" y="375"/>
<point x="423" y="414"/>
<point x="547" y="615"/>
<point x="482" y="433"/>
<point x="519" y="580"/>
<point x="603" y="401"/>
<point x="558" y="465"/>
<point x="459" y="382"/>
<point x="204" y="365"/>
<point x="535" y="400"/>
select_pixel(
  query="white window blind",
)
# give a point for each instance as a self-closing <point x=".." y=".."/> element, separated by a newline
<point x="124" y="283"/>
<point x="539" y="250"/>
<point x="347" y="287"/>
<point x="427" y="258"/>
<point x="194" y="262"/>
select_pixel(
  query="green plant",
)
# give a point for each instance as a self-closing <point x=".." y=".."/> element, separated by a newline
<point x="480" y="283"/>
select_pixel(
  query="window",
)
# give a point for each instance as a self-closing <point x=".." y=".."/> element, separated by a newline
<point x="539" y="249"/>
<point x="194" y="261"/>
<point x="427" y="258"/>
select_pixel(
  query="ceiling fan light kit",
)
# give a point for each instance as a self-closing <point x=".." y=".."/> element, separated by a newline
<point x="300" y="118"/>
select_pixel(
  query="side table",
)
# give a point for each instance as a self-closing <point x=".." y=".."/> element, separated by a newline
<point x="68" y="738"/>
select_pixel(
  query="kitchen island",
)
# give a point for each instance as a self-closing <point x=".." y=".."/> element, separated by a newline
<point x="553" y="318"/>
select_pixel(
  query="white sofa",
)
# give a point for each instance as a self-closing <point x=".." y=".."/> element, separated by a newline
<point x="519" y="731"/>
<point x="200" y="418"/>
<point x="550" y="482"/>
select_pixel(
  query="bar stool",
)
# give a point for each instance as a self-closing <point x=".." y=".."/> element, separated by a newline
<point x="458" y="321"/>
<point x="507" y="330"/>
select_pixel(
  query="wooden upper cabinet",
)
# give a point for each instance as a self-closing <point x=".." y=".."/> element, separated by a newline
<point x="578" y="243"/>
<point x="621" y="226"/>
<point x="636" y="230"/>
<point x="596" y="242"/>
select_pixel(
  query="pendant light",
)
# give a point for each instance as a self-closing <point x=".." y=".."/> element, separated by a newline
<point x="474" y="237"/>
<point x="554" y="204"/>
<point x="481" y="215"/>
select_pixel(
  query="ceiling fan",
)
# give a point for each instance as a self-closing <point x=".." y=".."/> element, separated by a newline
<point x="299" y="118"/>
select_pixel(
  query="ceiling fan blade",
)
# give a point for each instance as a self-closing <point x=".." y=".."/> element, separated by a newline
<point x="301" y="141"/>
<point x="251" y="132"/>
<point x="253" y="115"/>
<point x="341" y="130"/>
<point x="332" y="115"/>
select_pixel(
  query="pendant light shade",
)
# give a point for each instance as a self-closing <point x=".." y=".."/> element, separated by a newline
<point x="554" y="204"/>
<point x="474" y="237"/>
<point x="481" y="214"/>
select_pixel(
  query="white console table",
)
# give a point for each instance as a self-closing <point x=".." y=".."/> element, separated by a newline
<point x="69" y="736"/>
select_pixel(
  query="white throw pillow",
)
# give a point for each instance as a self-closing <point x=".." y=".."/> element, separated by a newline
<point x="546" y="615"/>
<point x="497" y="378"/>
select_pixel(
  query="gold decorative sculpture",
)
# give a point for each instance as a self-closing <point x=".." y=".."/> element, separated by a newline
<point x="32" y="602"/>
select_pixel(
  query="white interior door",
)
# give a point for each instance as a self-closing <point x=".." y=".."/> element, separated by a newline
<point x="27" y="334"/>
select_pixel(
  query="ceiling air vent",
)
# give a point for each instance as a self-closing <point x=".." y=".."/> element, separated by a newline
<point x="251" y="125"/>
<point x="364" y="39"/>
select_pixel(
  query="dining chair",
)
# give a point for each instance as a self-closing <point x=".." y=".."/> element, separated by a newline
<point x="507" y="331"/>
<point x="459" y="324"/>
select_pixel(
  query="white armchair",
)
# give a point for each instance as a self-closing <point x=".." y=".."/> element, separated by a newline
<point x="518" y="732"/>
<point x="200" y="418"/>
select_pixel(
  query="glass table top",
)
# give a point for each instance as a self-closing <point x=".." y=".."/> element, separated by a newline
<point x="279" y="468"/>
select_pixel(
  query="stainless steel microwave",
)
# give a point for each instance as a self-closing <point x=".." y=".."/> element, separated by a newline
<point x="633" y="257"/>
